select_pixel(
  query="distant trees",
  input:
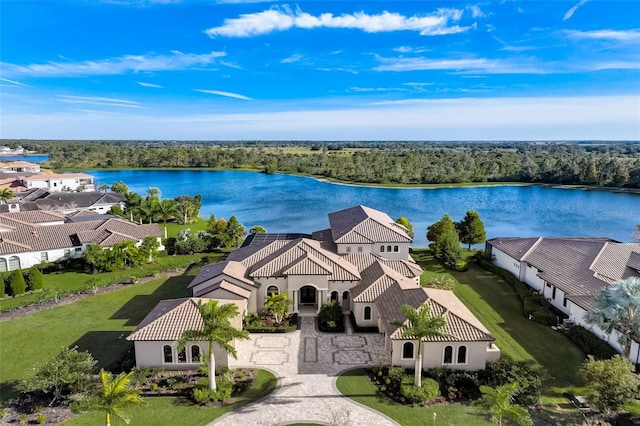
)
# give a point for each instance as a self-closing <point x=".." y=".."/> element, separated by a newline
<point x="119" y="187"/>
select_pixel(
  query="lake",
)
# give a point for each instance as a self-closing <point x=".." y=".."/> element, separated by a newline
<point x="285" y="203"/>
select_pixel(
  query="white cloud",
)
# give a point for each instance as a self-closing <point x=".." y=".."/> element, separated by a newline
<point x="476" y="12"/>
<point x="119" y="65"/>
<point x="225" y="94"/>
<point x="282" y="19"/>
<point x="154" y="86"/>
<point x="622" y="35"/>
<point x="293" y="58"/>
<point x="571" y="11"/>
<point x="13" y="82"/>
<point x="89" y="100"/>
<point x="426" y="64"/>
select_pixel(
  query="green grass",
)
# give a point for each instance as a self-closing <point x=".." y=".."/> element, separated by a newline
<point x="98" y="324"/>
<point x="176" y="411"/>
<point x="356" y="385"/>
<point x="173" y="228"/>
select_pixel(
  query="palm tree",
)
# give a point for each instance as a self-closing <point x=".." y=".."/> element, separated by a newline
<point x="153" y="193"/>
<point x="216" y="328"/>
<point x="116" y="394"/>
<point x="617" y="307"/>
<point x="6" y="194"/>
<point x="167" y="209"/>
<point x="499" y="402"/>
<point x="277" y="305"/>
<point x="419" y="326"/>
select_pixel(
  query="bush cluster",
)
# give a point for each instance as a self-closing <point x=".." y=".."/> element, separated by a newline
<point x="330" y="318"/>
<point x="18" y="282"/>
<point x="253" y="324"/>
<point x="590" y="344"/>
<point x="203" y="395"/>
<point x="397" y="384"/>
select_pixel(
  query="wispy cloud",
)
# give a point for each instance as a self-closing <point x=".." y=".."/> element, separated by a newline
<point x="293" y="58"/>
<point x="427" y="64"/>
<point x="282" y="19"/>
<point x="571" y="11"/>
<point x="153" y="86"/>
<point x="13" y="82"/>
<point x="476" y="12"/>
<point x="615" y="35"/>
<point x="89" y="100"/>
<point x="225" y="94"/>
<point x="119" y="65"/>
<point x="409" y="49"/>
<point x="376" y="89"/>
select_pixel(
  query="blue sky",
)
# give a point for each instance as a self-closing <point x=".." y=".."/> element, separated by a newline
<point x="320" y="70"/>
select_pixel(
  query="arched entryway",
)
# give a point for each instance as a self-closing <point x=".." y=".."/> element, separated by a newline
<point x="346" y="301"/>
<point x="308" y="299"/>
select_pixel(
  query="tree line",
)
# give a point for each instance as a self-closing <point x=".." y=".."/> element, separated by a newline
<point x="600" y="164"/>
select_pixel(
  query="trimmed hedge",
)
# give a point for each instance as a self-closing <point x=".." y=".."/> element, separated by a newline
<point x="397" y="384"/>
<point x="590" y="344"/>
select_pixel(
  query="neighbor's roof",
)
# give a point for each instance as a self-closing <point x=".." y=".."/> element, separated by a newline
<point x="50" y="176"/>
<point x="170" y="318"/>
<point x="364" y="225"/>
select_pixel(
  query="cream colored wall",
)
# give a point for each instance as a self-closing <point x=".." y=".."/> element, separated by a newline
<point x="433" y="353"/>
<point x="358" y="313"/>
<point x="149" y="354"/>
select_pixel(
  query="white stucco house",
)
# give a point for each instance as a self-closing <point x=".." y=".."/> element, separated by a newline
<point x="362" y="262"/>
<point x="60" y="182"/>
<point x="569" y="272"/>
<point x="31" y="237"/>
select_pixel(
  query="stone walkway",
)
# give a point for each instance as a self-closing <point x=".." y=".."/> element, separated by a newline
<point x="306" y="364"/>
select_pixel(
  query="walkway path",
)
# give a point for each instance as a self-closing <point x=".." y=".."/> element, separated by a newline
<point x="307" y="363"/>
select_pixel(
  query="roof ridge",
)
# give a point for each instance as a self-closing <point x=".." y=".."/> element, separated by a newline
<point x="533" y="246"/>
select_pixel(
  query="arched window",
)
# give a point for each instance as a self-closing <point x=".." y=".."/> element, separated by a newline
<point x="334" y="296"/>
<point x="462" y="355"/>
<point x="381" y="249"/>
<point x="182" y="356"/>
<point x="14" y="263"/>
<point x="389" y="248"/>
<point x="273" y="290"/>
<point x="195" y="353"/>
<point x="345" y="295"/>
<point x="395" y="249"/>
<point x="167" y="354"/>
<point x="407" y="350"/>
<point x="3" y="265"/>
<point x="367" y="313"/>
<point x="448" y="355"/>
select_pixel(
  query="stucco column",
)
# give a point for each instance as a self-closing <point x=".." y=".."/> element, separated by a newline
<point x="318" y="300"/>
<point x="294" y="296"/>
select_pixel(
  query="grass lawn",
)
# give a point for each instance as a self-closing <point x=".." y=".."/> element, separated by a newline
<point x="98" y="324"/>
<point x="175" y="411"/>
<point x="356" y="385"/>
<point x="173" y="228"/>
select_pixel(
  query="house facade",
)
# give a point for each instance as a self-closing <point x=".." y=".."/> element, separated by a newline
<point x="569" y="272"/>
<point x="60" y="182"/>
<point x="63" y="202"/>
<point x="362" y="262"/>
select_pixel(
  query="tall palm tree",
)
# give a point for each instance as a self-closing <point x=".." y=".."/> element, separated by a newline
<point x="153" y="193"/>
<point x="167" y="209"/>
<point x="116" y="394"/>
<point x="617" y="307"/>
<point x="6" y="194"/>
<point x="216" y="328"/>
<point x="419" y="326"/>
<point x="499" y="402"/>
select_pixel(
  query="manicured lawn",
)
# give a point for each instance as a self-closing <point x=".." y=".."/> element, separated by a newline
<point x="356" y="385"/>
<point x="98" y="324"/>
<point x="173" y="228"/>
<point x="176" y="411"/>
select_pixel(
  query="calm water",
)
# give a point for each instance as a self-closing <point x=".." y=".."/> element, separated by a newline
<point x="29" y="158"/>
<point x="283" y="203"/>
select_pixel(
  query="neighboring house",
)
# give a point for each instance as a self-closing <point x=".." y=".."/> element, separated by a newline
<point x="32" y="237"/>
<point x="569" y="272"/>
<point x="154" y="342"/>
<point x="60" y="182"/>
<point x="63" y="202"/>
<point x="361" y="262"/>
<point x="19" y="167"/>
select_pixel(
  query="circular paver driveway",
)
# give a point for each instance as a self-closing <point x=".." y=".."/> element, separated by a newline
<point x="306" y="364"/>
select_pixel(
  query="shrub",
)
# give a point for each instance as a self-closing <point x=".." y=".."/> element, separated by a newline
<point x="34" y="277"/>
<point x="460" y="385"/>
<point x="590" y="344"/>
<point x="2" y="285"/>
<point x="42" y="419"/>
<point x="252" y="320"/>
<point x="17" y="283"/>
<point x="203" y="395"/>
<point x="507" y="370"/>
<point x="429" y="390"/>
<point x="331" y="312"/>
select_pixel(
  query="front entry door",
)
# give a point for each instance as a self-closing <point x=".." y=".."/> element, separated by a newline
<point x="308" y="295"/>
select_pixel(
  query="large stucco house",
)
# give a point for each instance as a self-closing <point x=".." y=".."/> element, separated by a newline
<point x="569" y="272"/>
<point x="361" y="261"/>
<point x="29" y="238"/>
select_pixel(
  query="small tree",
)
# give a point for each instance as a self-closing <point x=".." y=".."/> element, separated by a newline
<point x="116" y="394"/>
<point x="471" y="229"/>
<point x="235" y="230"/>
<point x="17" y="283"/>
<point x="405" y="222"/>
<point x="67" y="373"/>
<point x="277" y="305"/>
<point x="499" y="402"/>
<point x="36" y="282"/>
<point x="6" y="195"/>
<point x="150" y="246"/>
<point x="612" y="381"/>
<point x="119" y="187"/>
<point x="448" y="248"/>
<point x="436" y="230"/>
<point x="257" y="229"/>
<point x="95" y="257"/>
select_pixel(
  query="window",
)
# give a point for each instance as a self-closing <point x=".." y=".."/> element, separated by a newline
<point x="272" y="290"/>
<point x="381" y="249"/>
<point x="345" y="295"/>
<point x="168" y="354"/>
<point x="44" y="256"/>
<point x="3" y="265"/>
<point x="14" y="263"/>
<point x="395" y="249"/>
<point x="334" y="296"/>
<point x="389" y="248"/>
<point x="367" y="313"/>
<point x="448" y="355"/>
<point x="462" y="355"/>
<point x="407" y="350"/>
<point x="553" y="294"/>
<point x="348" y="249"/>
<point x="182" y="356"/>
<point x="564" y="302"/>
<point x="195" y="354"/>
<point x="359" y="249"/>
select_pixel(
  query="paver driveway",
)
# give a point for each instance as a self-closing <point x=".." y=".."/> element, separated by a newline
<point x="307" y="363"/>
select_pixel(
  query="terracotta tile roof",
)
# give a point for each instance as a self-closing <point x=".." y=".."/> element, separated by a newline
<point x="225" y="285"/>
<point x="362" y="261"/>
<point x="376" y="279"/>
<point x="37" y="216"/>
<point x="363" y="225"/>
<point x="170" y="318"/>
<point x="309" y="265"/>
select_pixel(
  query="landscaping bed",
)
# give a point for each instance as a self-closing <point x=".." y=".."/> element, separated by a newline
<point x="264" y="323"/>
